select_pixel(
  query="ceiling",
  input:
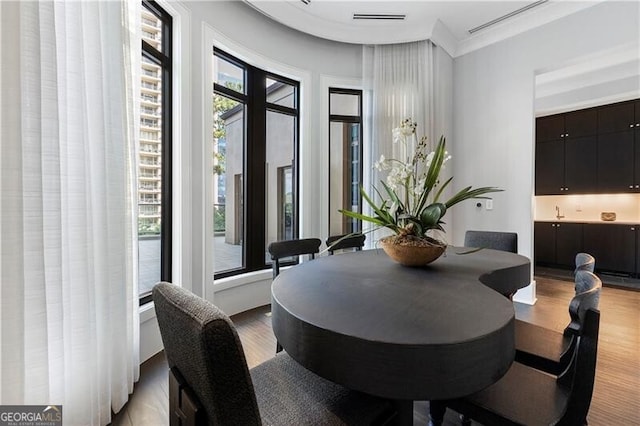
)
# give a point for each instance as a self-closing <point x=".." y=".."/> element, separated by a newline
<point x="445" y="22"/>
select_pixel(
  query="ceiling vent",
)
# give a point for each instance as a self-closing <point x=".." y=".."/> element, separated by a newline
<point x="507" y="16"/>
<point x="380" y="16"/>
<point x="306" y="1"/>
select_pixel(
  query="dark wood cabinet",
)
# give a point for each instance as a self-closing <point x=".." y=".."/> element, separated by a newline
<point x="615" y="167"/>
<point x="566" y="166"/>
<point x="616" y="117"/>
<point x="568" y="243"/>
<point x="580" y="164"/>
<point x="544" y="237"/>
<point x="549" y="179"/>
<point x="613" y="246"/>
<point x="637" y="229"/>
<point x="566" y="153"/>
<point x="581" y="123"/>
<point x="590" y="151"/>
<point x="568" y="125"/>
<point x="550" y="128"/>
<point x="616" y="247"/>
<point x="636" y="165"/>
<point x="557" y="243"/>
<point x="619" y="147"/>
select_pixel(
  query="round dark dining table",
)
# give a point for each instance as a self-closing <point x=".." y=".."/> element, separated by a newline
<point x="436" y="332"/>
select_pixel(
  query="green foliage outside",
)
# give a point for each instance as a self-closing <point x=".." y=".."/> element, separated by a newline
<point x="219" y="219"/>
<point x="145" y="228"/>
<point x="221" y="105"/>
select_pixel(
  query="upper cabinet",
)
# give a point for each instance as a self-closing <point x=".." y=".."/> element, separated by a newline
<point x="616" y="117"/>
<point x="595" y="150"/>
<point x="568" y="125"/>
<point x="566" y="153"/>
<point x="619" y="148"/>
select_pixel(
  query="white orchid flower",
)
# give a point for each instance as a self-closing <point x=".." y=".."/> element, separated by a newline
<point x="407" y="130"/>
<point x="398" y="135"/>
<point x="380" y="164"/>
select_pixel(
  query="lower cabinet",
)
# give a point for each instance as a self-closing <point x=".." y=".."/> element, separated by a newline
<point x="613" y="246"/>
<point x="557" y="243"/>
<point x="616" y="247"/>
<point x="637" y="250"/>
<point x="544" y="239"/>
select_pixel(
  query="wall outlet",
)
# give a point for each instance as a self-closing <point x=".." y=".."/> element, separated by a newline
<point x="489" y="204"/>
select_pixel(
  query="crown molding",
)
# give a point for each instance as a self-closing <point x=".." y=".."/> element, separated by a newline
<point x="536" y="17"/>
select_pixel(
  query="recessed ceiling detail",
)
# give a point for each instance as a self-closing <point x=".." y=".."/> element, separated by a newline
<point x="444" y="22"/>
<point x="379" y="16"/>
<point x="507" y="16"/>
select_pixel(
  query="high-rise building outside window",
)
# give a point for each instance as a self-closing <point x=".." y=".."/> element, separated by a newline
<point x="154" y="153"/>
<point x="255" y="146"/>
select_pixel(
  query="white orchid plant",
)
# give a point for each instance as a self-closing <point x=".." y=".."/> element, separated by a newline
<point x="410" y="201"/>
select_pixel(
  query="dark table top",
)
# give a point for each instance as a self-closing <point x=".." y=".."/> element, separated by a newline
<point x="435" y="332"/>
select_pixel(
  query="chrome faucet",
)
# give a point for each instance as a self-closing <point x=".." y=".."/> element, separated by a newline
<point x="558" y="215"/>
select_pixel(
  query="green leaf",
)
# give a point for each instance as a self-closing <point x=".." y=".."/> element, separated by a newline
<point x="436" y="164"/>
<point x="466" y="193"/>
<point x="431" y="214"/>
<point x="364" y="217"/>
<point x="437" y="196"/>
<point x="393" y="196"/>
<point x="369" y="201"/>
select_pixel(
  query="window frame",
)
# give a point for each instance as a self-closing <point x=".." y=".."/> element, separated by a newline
<point x="351" y="119"/>
<point x="165" y="60"/>
<point x="254" y="159"/>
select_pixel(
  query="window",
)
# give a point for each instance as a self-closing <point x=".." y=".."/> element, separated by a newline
<point x="345" y="159"/>
<point x="154" y="161"/>
<point x="255" y="140"/>
<point x="285" y="203"/>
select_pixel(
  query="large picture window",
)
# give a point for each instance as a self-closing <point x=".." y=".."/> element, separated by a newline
<point x="255" y="140"/>
<point x="154" y="158"/>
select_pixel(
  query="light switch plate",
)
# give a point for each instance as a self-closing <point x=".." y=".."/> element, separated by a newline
<point x="489" y="205"/>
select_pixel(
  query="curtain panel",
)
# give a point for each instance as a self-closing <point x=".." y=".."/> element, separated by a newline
<point x="402" y="88"/>
<point x="68" y="296"/>
<point x="407" y="80"/>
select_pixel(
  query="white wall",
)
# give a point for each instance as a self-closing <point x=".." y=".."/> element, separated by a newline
<point x="494" y="111"/>
<point x="245" y="33"/>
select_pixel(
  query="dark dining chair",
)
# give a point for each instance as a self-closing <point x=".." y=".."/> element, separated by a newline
<point x="346" y="241"/>
<point x="504" y="241"/>
<point x="288" y="248"/>
<point x="210" y="383"/>
<point x="526" y="396"/>
<point x="549" y="350"/>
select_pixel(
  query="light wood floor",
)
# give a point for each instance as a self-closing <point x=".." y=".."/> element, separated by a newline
<point x="616" y="399"/>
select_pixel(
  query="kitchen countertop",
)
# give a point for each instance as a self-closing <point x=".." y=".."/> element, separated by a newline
<point x="614" y="222"/>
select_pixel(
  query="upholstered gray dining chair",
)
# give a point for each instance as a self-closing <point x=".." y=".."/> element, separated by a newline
<point x="346" y="241"/>
<point x="505" y="241"/>
<point x="210" y="383"/>
<point x="585" y="262"/>
<point x="549" y="350"/>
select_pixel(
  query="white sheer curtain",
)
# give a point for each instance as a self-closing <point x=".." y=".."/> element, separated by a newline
<point x="409" y="80"/>
<point x="402" y="88"/>
<point x="68" y="297"/>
